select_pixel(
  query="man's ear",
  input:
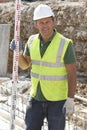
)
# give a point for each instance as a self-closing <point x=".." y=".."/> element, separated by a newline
<point x="35" y="24"/>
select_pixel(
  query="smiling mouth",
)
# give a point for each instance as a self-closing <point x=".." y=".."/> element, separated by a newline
<point x="45" y="30"/>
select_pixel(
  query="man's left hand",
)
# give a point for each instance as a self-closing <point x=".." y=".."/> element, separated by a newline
<point x="69" y="106"/>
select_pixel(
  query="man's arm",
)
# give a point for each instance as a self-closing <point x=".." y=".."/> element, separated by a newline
<point x="71" y="70"/>
<point x="27" y="58"/>
<point x="70" y="64"/>
<point x="69" y="104"/>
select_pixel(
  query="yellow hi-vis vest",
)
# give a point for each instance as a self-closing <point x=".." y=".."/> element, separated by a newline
<point x="50" y="70"/>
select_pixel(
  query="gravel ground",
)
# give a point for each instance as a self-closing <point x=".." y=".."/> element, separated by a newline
<point x="5" y="125"/>
<point x="79" y="105"/>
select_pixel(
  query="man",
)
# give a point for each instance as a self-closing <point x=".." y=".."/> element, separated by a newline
<point x="53" y="73"/>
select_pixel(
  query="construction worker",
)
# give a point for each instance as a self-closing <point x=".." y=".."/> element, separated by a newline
<point x="53" y="73"/>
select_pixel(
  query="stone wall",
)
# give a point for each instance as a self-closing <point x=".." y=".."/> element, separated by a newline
<point x="71" y="21"/>
<point x="2" y="1"/>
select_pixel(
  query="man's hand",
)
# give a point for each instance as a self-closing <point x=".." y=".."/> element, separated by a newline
<point x="13" y="45"/>
<point x="69" y="106"/>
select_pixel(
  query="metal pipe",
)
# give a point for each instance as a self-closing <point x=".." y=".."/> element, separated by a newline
<point x="81" y="98"/>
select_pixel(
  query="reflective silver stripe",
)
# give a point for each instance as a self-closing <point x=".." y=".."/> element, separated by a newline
<point x="31" y="39"/>
<point x="36" y="62"/>
<point x="44" y="77"/>
<point x="58" y="60"/>
<point x="48" y="64"/>
<point x="52" y="64"/>
<point x="60" y="50"/>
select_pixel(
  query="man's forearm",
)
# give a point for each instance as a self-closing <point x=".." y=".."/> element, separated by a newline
<point x="71" y="69"/>
<point x="27" y="58"/>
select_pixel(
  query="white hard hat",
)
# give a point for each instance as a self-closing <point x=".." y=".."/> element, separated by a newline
<point x="42" y="11"/>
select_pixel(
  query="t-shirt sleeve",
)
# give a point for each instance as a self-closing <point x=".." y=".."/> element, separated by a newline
<point x="70" y="56"/>
<point x="26" y="50"/>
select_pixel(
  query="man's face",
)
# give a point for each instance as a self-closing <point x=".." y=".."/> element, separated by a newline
<point x="45" y="26"/>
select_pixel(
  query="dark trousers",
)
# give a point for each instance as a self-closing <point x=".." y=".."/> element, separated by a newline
<point x="53" y="111"/>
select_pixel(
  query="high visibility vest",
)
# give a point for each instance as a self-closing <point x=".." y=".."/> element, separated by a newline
<point x="50" y="70"/>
